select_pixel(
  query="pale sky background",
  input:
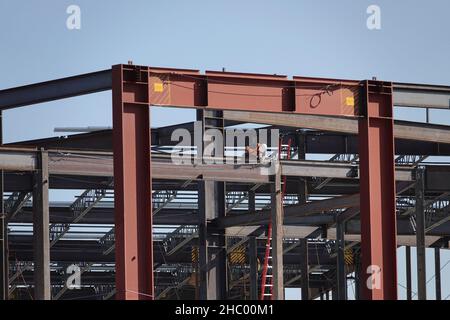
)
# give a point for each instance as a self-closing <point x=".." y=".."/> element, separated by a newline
<point x="308" y="38"/>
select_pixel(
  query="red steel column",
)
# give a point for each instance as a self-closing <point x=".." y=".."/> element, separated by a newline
<point x="377" y="187"/>
<point x="132" y="183"/>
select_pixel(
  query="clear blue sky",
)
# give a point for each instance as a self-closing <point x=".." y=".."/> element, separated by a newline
<point x="308" y="38"/>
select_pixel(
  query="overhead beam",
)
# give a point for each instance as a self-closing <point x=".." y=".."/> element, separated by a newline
<point x="55" y="89"/>
<point x="405" y="94"/>
<point x="404" y="228"/>
<point x="421" y="96"/>
<point x="92" y="164"/>
<point x="311" y="142"/>
<point x="308" y="168"/>
<point x="402" y="129"/>
<point x="290" y="212"/>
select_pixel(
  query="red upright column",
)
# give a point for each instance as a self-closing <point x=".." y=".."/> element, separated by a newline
<point x="132" y="183"/>
<point x="377" y="183"/>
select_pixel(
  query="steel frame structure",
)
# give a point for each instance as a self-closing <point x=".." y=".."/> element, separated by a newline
<point x="140" y="87"/>
<point x="364" y="108"/>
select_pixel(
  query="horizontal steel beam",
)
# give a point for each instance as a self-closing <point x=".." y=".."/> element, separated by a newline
<point x="402" y="129"/>
<point x="101" y="165"/>
<point x="161" y="169"/>
<point x="11" y="160"/>
<point x="405" y="94"/>
<point x="290" y="212"/>
<point x="315" y="142"/>
<point x="105" y="215"/>
<point x="421" y="96"/>
<point x="404" y="227"/>
<point x="333" y="170"/>
<point x="90" y="165"/>
<point x="55" y="89"/>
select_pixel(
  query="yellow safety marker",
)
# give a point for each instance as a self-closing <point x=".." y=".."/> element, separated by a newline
<point x="350" y="101"/>
<point x="158" y="87"/>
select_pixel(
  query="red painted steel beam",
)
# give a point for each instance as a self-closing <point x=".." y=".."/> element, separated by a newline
<point x="132" y="183"/>
<point x="377" y="192"/>
<point x="253" y="92"/>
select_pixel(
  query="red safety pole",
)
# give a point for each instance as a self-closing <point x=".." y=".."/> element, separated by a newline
<point x="377" y="189"/>
<point x="132" y="183"/>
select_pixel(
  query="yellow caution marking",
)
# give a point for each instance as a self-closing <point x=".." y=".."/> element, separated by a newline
<point x="194" y="254"/>
<point x="348" y="256"/>
<point x="350" y="101"/>
<point x="158" y="87"/>
<point x="237" y="256"/>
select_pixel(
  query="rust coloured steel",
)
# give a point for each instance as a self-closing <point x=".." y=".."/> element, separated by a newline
<point x="377" y="189"/>
<point x="253" y="92"/>
<point x="136" y="88"/>
<point x="132" y="184"/>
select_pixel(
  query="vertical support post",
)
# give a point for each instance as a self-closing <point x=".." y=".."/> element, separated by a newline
<point x="420" y="235"/>
<point x="253" y="248"/>
<point x="304" y="269"/>
<point x="212" y="248"/>
<point x="4" y="263"/>
<point x="377" y="189"/>
<point x="334" y="293"/>
<point x="408" y="273"/>
<point x="211" y="197"/>
<point x="251" y="201"/>
<point x="41" y="230"/>
<point x="340" y="261"/>
<point x="437" y="272"/>
<point x="277" y="235"/>
<point x="302" y="193"/>
<point x="253" y="255"/>
<point x="203" y="254"/>
<point x="3" y="243"/>
<point x="132" y="183"/>
<point x="358" y="275"/>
